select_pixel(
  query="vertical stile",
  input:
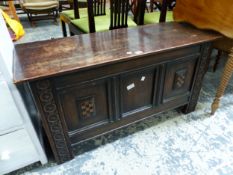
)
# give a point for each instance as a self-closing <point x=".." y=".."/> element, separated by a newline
<point x="126" y="11"/>
<point x="94" y="2"/>
<point x="76" y="9"/>
<point x="115" y="13"/>
<point x="101" y="6"/>
<point x="104" y="6"/>
<point x="118" y="12"/>
<point x="98" y="7"/>
<point x="111" y="14"/>
<point x="123" y="13"/>
<point x="91" y="16"/>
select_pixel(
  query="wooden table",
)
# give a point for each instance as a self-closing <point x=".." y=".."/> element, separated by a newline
<point x="87" y="85"/>
<point x="211" y="17"/>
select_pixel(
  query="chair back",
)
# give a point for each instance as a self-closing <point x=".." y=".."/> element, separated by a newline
<point x="95" y="8"/>
<point x="118" y="14"/>
<point x="140" y="11"/>
<point x="99" y="7"/>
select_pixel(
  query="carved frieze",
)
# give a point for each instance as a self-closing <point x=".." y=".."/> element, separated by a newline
<point x="51" y="116"/>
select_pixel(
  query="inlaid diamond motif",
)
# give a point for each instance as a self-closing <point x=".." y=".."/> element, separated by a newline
<point x="86" y="107"/>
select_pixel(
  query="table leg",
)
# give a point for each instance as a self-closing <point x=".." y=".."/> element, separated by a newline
<point x="218" y="57"/>
<point x="227" y="73"/>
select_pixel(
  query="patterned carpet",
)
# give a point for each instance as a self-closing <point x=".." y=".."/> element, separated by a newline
<point x="167" y="144"/>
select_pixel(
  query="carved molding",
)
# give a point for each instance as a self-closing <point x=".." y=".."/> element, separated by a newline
<point x="203" y="66"/>
<point x="50" y="114"/>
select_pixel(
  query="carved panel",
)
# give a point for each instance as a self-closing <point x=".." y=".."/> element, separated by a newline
<point x="51" y="121"/>
<point x="179" y="78"/>
<point x="86" y="107"/>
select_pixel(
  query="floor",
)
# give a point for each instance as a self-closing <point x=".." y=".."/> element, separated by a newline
<point x="167" y="144"/>
<point x="43" y="30"/>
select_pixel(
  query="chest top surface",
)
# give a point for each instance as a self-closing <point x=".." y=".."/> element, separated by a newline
<point x="60" y="56"/>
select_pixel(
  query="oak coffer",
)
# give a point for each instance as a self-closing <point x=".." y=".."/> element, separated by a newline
<point x="87" y="85"/>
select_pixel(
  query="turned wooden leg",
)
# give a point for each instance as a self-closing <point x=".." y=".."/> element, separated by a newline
<point x="227" y="72"/>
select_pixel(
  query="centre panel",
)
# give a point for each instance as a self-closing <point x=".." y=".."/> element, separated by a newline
<point x="137" y="91"/>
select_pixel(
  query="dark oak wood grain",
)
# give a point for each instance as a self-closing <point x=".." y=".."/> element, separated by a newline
<point x="58" y="56"/>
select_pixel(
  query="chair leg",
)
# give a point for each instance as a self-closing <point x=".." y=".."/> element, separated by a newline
<point x="147" y="9"/>
<point x="60" y="6"/>
<point x="72" y="34"/>
<point x="55" y="15"/>
<point x="217" y="60"/>
<point x="63" y="26"/>
<point x="30" y="19"/>
<point x="158" y="6"/>
<point x="227" y="73"/>
<point x="151" y="6"/>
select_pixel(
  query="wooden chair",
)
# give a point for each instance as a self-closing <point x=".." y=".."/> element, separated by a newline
<point x="153" y="17"/>
<point x="98" y="20"/>
<point x="79" y="10"/>
<point x="40" y="9"/>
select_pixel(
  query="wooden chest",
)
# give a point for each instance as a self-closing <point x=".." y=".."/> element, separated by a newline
<point x="88" y="85"/>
